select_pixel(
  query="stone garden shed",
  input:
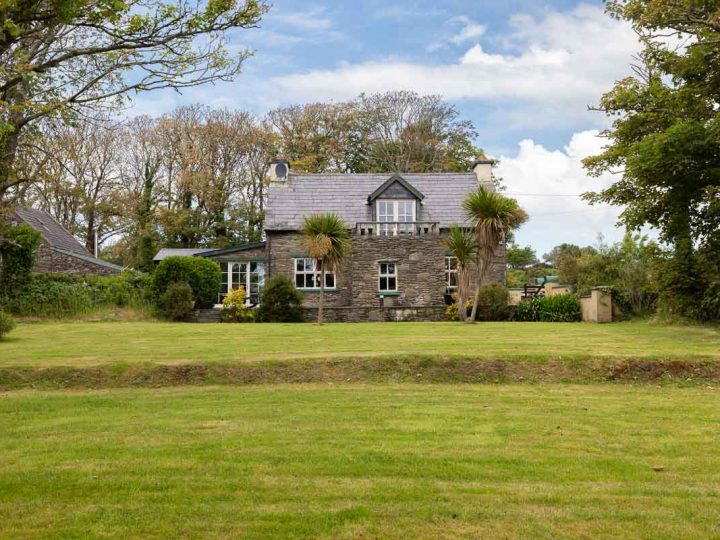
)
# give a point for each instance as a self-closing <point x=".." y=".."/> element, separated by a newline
<point x="60" y="252"/>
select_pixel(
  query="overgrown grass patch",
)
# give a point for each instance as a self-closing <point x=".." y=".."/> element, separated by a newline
<point x="329" y="461"/>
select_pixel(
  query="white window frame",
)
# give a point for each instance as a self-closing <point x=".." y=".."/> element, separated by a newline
<point x="229" y="273"/>
<point x="315" y="273"/>
<point x="449" y="271"/>
<point x="387" y="276"/>
<point x="391" y="224"/>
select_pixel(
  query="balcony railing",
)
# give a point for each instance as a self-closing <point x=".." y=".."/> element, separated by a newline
<point x="397" y="228"/>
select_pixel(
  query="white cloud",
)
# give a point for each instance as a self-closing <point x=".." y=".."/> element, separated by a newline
<point x="547" y="184"/>
<point x="312" y="20"/>
<point x="565" y="60"/>
<point x="470" y="29"/>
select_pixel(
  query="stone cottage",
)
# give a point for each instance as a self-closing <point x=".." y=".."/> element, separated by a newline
<point x="399" y="267"/>
<point x="60" y="252"/>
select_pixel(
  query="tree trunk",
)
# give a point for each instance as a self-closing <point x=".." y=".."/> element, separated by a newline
<point x="322" y="294"/>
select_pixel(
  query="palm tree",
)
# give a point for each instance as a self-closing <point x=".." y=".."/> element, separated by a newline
<point x="493" y="216"/>
<point x="327" y="240"/>
<point x="463" y="247"/>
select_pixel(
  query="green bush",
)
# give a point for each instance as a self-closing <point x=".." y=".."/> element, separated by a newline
<point x="6" y="324"/>
<point x="557" y="308"/>
<point x="176" y="301"/>
<point x="710" y="305"/>
<point x="281" y="302"/>
<point x="128" y="289"/>
<point x="18" y="251"/>
<point x="203" y="276"/>
<point x="234" y="308"/>
<point x="48" y="297"/>
<point x="493" y="303"/>
<point x="62" y="295"/>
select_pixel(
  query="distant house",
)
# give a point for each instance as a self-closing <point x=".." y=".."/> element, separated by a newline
<point x="399" y="268"/>
<point x="60" y="252"/>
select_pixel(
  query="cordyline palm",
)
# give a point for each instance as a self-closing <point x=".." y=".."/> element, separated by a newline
<point x="492" y="216"/>
<point x="463" y="247"/>
<point x="327" y="240"/>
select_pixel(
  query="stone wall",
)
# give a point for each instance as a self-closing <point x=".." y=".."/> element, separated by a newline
<point x="50" y="261"/>
<point x="420" y="264"/>
<point x="377" y="314"/>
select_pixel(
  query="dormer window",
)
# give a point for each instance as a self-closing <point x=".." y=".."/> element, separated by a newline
<point x="395" y="216"/>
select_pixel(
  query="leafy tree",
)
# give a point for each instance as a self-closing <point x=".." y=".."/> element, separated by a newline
<point x="665" y="138"/>
<point x="463" y="247"/>
<point x="327" y="240"/>
<point x="493" y="216"/>
<point x="18" y="252"/>
<point x="62" y="58"/>
<point x="520" y="257"/>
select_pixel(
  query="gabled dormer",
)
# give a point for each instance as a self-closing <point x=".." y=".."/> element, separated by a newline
<point x="395" y="201"/>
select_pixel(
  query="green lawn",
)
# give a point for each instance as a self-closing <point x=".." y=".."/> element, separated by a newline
<point x="89" y="344"/>
<point x="391" y="461"/>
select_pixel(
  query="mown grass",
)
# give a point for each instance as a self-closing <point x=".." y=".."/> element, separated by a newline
<point x="393" y="461"/>
<point x="92" y="344"/>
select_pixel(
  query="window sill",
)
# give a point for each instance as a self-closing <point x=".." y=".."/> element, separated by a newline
<point x="329" y="289"/>
<point x="388" y="293"/>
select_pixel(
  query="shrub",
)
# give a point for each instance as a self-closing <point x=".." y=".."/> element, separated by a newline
<point x="452" y="311"/>
<point x="6" y="324"/>
<point x="203" y="276"/>
<point x="18" y="251"/>
<point x="557" y="308"/>
<point x="128" y="289"/>
<point x="710" y="305"/>
<point x="62" y="295"/>
<point x="48" y="297"/>
<point x="234" y="308"/>
<point x="493" y="303"/>
<point x="281" y="302"/>
<point x="176" y="301"/>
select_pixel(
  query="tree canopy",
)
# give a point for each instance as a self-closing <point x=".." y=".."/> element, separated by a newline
<point x="60" y="59"/>
<point x="665" y="138"/>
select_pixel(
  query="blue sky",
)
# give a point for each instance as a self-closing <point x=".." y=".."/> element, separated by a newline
<point x="523" y="71"/>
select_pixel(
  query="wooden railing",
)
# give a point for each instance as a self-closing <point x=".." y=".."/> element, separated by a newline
<point x="397" y="228"/>
<point x="531" y="291"/>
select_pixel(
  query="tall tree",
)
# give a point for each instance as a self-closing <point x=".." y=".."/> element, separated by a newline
<point x="407" y="132"/>
<point x="665" y="137"/>
<point x="80" y="181"/>
<point x="61" y="58"/>
<point x="493" y="216"/>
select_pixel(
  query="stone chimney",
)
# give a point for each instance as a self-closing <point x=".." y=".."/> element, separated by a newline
<point x="278" y="171"/>
<point x="483" y="169"/>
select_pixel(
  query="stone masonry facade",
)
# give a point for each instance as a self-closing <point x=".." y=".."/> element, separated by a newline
<point x="420" y="262"/>
<point x="50" y="261"/>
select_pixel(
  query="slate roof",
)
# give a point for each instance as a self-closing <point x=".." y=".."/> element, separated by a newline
<point x="58" y="238"/>
<point x="54" y="234"/>
<point x="347" y="194"/>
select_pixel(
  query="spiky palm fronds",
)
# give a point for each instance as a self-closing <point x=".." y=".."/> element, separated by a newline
<point x="493" y="216"/>
<point x="463" y="247"/>
<point x="327" y="240"/>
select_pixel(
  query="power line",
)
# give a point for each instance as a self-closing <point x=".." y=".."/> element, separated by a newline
<point x="544" y="194"/>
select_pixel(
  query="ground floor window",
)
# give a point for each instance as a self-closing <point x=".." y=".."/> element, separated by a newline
<point x="387" y="277"/>
<point x="250" y="275"/>
<point x="451" y="274"/>
<point x="308" y="275"/>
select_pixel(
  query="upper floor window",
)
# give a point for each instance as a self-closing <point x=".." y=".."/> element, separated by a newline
<point x="451" y="273"/>
<point x="307" y="276"/>
<point x="393" y="214"/>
